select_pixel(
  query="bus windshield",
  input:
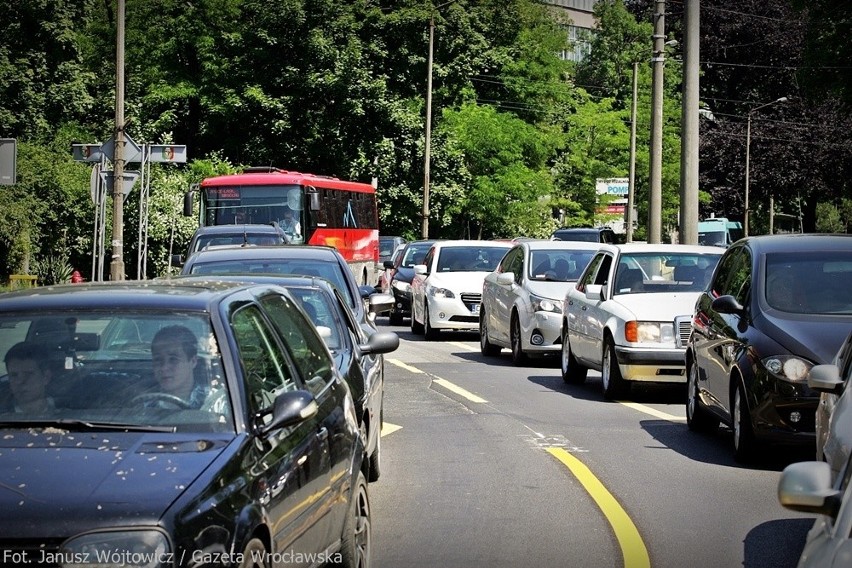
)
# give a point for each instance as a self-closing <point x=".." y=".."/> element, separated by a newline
<point x="228" y="205"/>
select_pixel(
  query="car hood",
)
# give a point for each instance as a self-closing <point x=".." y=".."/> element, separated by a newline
<point x="458" y="281"/>
<point x="817" y="338"/>
<point x="550" y="290"/>
<point x="58" y="483"/>
<point x="659" y="307"/>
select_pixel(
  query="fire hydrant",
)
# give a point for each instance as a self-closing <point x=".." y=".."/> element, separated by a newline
<point x="76" y="277"/>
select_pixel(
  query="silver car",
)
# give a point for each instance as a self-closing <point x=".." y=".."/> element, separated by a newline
<point x="834" y="412"/>
<point x="522" y="299"/>
<point x="807" y="487"/>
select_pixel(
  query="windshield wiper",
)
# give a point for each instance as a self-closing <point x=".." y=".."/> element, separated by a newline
<point x="83" y="425"/>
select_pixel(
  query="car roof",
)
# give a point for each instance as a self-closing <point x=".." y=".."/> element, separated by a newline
<point x="799" y="242"/>
<point x="301" y="252"/>
<point x="547" y="244"/>
<point x="582" y="230"/>
<point x="286" y="281"/>
<point x="472" y="243"/>
<point x="662" y="247"/>
<point x="172" y="294"/>
<point x="236" y="229"/>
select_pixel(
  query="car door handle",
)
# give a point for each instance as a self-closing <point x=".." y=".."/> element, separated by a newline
<point x="322" y="434"/>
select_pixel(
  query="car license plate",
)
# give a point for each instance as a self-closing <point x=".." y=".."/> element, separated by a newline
<point x="474" y="309"/>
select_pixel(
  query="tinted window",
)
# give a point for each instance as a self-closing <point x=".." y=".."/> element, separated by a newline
<point x="733" y="275"/>
<point x="809" y="282"/>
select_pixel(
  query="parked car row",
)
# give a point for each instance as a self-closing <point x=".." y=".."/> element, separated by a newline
<point x="233" y="412"/>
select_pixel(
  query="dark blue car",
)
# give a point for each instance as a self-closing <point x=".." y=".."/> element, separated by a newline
<point x="174" y="424"/>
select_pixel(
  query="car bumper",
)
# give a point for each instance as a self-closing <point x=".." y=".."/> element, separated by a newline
<point x="652" y="364"/>
<point x="543" y="333"/>
<point x="452" y="313"/>
<point x="786" y="421"/>
<point x="402" y="302"/>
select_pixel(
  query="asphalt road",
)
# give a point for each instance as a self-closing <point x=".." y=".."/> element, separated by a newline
<point x="488" y="464"/>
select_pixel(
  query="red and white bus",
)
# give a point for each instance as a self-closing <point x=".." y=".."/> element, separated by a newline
<point x="312" y="209"/>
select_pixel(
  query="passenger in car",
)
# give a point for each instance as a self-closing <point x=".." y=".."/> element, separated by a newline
<point x="29" y="375"/>
<point x="174" y="351"/>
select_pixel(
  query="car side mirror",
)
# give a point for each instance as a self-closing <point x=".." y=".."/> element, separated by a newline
<point x="289" y="408"/>
<point x="826" y="378"/>
<point x="727" y="304"/>
<point x="595" y="292"/>
<point x="420" y="269"/>
<point x="381" y="303"/>
<point x="177" y="260"/>
<point x="506" y="278"/>
<point x="388" y="264"/>
<point x="807" y="487"/>
<point x="380" y="342"/>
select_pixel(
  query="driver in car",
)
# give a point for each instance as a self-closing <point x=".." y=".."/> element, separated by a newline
<point x="174" y="351"/>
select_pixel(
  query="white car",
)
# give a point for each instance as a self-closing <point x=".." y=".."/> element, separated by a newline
<point x="807" y="487"/>
<point x="522" y="299"/>
<point x="447" y="288"/>
<point x="630" y="314"/>
<point x="834" y="412"/>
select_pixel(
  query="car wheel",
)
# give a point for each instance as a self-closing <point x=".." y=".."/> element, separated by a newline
<point x="698" y="418"/>
<point x="572" y="372"/>
<point x="254" y="555"/>
<point x="395" y="318"/>
<point x="518" y="355"/>
<point x="614" y="385"/>
<point x="356" y="542"/>
<point x="485" y="346"/>
<point x="416" y="327"/>
<point x="431" y="332"/>
<point x="744" y="442"/>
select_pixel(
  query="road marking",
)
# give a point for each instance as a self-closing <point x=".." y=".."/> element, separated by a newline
<point x="653" y="412"/>
<point x="408" y="368"/>
<point x="632" y="547"/>
<point x="388" y="428"/>
<point x="464" y="346"/>
<point x="458" y="390"/>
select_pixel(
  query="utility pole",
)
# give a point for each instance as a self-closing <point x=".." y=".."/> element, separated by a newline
<point x="748" y="155"/>
<point x="424" y="230"/>
<point x="631" y="184"/>
<point x="689" y="127"/>
<point x="117" y="264"/>
<point x="655" y="201"/>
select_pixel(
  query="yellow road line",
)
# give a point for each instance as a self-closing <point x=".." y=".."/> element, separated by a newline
<point x="653" y="412"/>
<point x="388" y="428"/>
<point x="458" y="390"/>
<point x="464" y="346"/>
<point x="408" y="368"/>
<point x="632" y="547"/>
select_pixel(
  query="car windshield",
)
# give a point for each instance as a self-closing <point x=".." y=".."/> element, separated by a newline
<point x="276" y="267"/>
<point x="558" y="265"/>
<point x="664" y="272"/>
<point x="712" y="238"/>
<point x="131" y="369"/>
<point x="809" y="282"/>
<point x="469" y="258"/>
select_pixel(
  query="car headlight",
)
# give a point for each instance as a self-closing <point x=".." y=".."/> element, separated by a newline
<point x="401" y="286"/>
<point x="437" y="292"/>
<point x="142" y="548"/>
<point x="649" y="332"/>
<point x="544" y="305"/>
<point x="788" y="367"/>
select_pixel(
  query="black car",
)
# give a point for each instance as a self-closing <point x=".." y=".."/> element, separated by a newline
<point x="402" y="272"/>
<point x="589" y="234"/>
<point x="323" y="262"/>
<point x="170" y="423"/>
<point x="357" y="354"/>
<point x="232" y="235"/>
<point x="776" y="306"/>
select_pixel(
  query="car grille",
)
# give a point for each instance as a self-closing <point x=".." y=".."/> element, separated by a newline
<point x="683" y="325"/>
<point x="468" y="298"/>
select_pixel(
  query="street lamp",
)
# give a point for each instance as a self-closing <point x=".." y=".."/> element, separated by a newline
<point x="748" y="152"/>
<point x="424" y="228"/>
